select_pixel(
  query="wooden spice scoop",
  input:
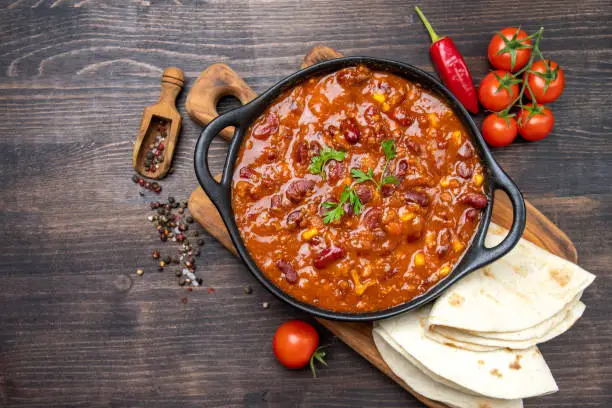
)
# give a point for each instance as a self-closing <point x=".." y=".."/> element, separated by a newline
<point x="159" y="129"/>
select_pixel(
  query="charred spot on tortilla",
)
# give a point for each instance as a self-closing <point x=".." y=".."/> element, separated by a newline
<point x="560" y="276"/>
<point x="423" y="322"/>
<point x="518" y="269"/>
<point x="515" y="365"/>
<point x="491" y="297"/>
<point x="486" y="272"/>
<point x="456" y="299"/>
<point x="485" y="405"/>
<point x="446" y="343"/>
<point x="496" y="373"/>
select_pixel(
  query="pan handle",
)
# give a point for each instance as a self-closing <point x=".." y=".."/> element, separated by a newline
<point x="481" y="255"/>
<point x="217" y="192"/>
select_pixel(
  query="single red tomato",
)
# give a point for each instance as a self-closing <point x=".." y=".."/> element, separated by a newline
<point x="498" y="130"/>
<point x="509" y="49"/>
<point x="296" y="344"/>
<point x="535" y="122"/>
<point x="497" y="90"/>
<point x="546" y="80"/>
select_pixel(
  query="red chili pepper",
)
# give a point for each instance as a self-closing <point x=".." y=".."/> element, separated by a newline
<point x="451" y="67"/>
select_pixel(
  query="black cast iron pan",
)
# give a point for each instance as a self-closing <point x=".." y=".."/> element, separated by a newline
<point x="476" y="255"/>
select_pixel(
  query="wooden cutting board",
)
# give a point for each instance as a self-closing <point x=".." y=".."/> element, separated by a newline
<point x="219" y="80"/>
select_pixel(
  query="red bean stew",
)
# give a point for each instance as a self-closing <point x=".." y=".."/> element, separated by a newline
<point x="357" y="191"/>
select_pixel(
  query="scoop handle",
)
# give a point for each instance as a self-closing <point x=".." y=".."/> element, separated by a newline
<point x="173" y="80"/>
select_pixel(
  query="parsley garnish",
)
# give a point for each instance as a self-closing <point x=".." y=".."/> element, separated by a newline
<point x="390" y="153"/>
<point x="335" y="210"/>
<point x="318" y="162"/>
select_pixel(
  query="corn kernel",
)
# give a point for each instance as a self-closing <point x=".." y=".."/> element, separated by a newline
<point x="458" y="246"/>
<point x="309" y="234"/>
<point x="430" y="239"/>
<point x="379" y="97"/>
<point x="478" y="179"/>
<point x="385" y="107"/>
<point x="445" y="270"/>
<point x="456" y="137"/>
<point x="433" y="119"/>
<point x="407" y="216"/>
<point x="419" y="259"/>
<point x="444" y="182"/>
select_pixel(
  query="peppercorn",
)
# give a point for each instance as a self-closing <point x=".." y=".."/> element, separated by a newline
<point x="195" y="233"/>
<point x="135" y="178"/>
<point x="201" y="241"/>
<point x="141" y="193"/>
<point x="248" y="290"/>
<point x="167" y="259"/>
<point x="171" y="200"/>
<point x="189" y="219"/>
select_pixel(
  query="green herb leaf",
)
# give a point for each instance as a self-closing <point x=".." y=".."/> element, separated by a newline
<point x="334" y="214"/>
<point x="335" y="210"/>
<point x="318" y="162"/>
<point x="390" y="180"/>
<point x="389" y="148"/>
<point x="361" y="177"/>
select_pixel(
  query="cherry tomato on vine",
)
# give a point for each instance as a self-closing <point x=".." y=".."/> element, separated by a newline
<point x="295" y="344"/>
<point x="546" y="80"/>
<point x="499" y="130"/>
<point x="509" y="49"/>
<point x="497" y="90"/>
<point x="535" y="122"/>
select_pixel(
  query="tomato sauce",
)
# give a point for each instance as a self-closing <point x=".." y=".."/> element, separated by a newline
<point x="357" y="191"/>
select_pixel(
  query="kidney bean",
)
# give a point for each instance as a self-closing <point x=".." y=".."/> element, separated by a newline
<point x="466" y="151"/>
<point x="464" y="171"/>
<point x="246" y="172"/>
<point x="348" y="209"/>
<point x="387" y="190"/>
<point x="315" y="149"/>
<point x="364" y="193"/>
<point x="262" y="130"/>
<point x="276" y="201"/>
<point x="335" y="170"/>
<point x="417" y="197"/>
<point x="401" y="116"/>
<point x="350" y="130"/>
<point x="402" y="168"/>
<point x="476" y="200"/>
<point x="444" y="238"/>
<point x="298" y="189"/>
<point x="300" y="152"/>
<point x="372" y="218"/>
<point x="353" y="75"/>
<point x="290" y="274"/>
<point x="294" y="218"/>
<point x="370" y="113"/>
<point x="328" y="256"/>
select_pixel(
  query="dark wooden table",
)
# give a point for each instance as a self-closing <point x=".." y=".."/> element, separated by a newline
<point x="78" y="327"/>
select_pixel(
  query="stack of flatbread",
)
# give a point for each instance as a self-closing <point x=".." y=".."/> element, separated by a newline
<point x="475" y="347"/>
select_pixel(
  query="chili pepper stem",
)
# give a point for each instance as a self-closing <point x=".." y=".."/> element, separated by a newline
<point x="430" y="30"/>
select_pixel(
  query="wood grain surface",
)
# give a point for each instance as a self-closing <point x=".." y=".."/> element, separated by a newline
<point x="78" y="328"/>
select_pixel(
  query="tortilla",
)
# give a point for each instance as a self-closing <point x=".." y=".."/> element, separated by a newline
<point x="502" y="373"/>
<point x="431" y="389"/>
<point x="480" y="341"/>
<point x="526" y="287"/>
